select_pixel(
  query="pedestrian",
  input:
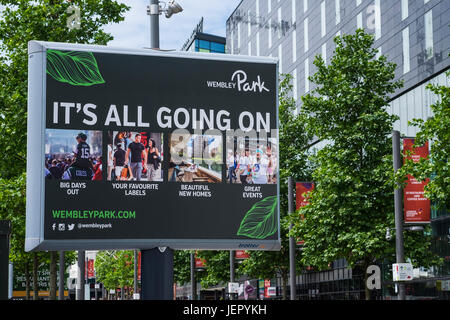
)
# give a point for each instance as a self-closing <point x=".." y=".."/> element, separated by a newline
<point x="135" y="154"/>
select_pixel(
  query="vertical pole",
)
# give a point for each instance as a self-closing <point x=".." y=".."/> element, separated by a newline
<point x="292" y="244"/>
<point x="135" y="280"/>
<point x="193" y="281"/>
<point x="157" y="274"/>
<point x="5" y="231"/>
<point x="80" y="280"/>
<point x="61" y="276"/>
<point x="231" y="271"/>
<point x="154" y="24"/>
<point x="399" y="250"/>
<point x="156" y="265"/>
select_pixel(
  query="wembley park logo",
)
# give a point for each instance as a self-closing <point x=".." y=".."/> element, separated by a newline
<point x="239" y="81"/>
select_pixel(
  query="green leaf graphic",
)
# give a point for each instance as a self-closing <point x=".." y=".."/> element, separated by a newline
<point x="74" y="67"/>
<point x="260" y="221"/>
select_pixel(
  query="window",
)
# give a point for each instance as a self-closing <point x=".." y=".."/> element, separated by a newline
<point x="377" y="19"/>
<point x="338" y="11"/>
<point x="249" y="30"/>
<point x="239" y="36"/>
<point x="306" y="34"/>
<point x="279" y="23"/>
<point x="323" y="18"/>
<point x="258" y="53"/>
<point x="404" y="9"/>
<point x="294" y="11"/>
<point x="280" y="57"/>
<point x="232" y="41"/>
<point x="324" y="52"/>
<point x="270" y="33"/>
<point x="358" y="2"/>
<point x="378" y="55"/>
<point x="202" y="44"/>
<point x="359" y="23"/>
<point x="294" y="46"/>
<point x="249" y="48"/>
<point x="406" y="58"/>
<point x="429" y="35"/>
<point x="269" y="6"/>
<point x="217" y="47"/>
<point x="305" y="6"/>
<point x="306" y="75"/>
<point x="294" y="84"/>
<point x="425" y="1"/>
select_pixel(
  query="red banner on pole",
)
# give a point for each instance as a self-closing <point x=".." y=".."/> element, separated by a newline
<point x="139" y="265"/>
<point x="199" y="262"/>
<point x="241" y="254"/>
<point x="416" y="205"/>
<point x="90" y="269"/>
<point x="301" y="200"/>
<point x="301" y="189"/>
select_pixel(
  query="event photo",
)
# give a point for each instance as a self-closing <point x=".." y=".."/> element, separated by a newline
<point x="251" y="161"/>
<point x="134" y="156"/>
<point x="73" y="154"/>
<point x="195" y="158"/>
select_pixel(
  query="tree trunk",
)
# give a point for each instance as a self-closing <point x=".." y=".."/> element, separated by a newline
<point x="35" y="276"/>
<point x="27" y="281"/>
<point x="52" y="275"/>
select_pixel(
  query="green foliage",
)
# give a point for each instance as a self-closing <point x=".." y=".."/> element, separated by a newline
<point x="45" y="20"/>
<point x="436" y="131"/>
<point x="352" y="204"/>
<point x="294" y="162"/>
<point x="217" y="268"/>
<point x="115" y="268"/>
<point x="20" y="22"/>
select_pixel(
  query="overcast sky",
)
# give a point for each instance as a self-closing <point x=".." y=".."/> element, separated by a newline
<point x="134" y="31"/>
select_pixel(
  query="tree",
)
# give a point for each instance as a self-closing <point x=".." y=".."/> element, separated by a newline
<point x="46" y="20"/>
<point x="352" y="203"/>
<point x="22" y="21"/>
<point x="436" y="130"/>
<point x="115" y="269"/>
<point x="294" y="162"/>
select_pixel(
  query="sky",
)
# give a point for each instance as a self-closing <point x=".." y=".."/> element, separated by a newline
<point x="134" y="31"/>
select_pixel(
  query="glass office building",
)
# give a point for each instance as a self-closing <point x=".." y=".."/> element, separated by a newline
<point x="203" y="42"/>
<point x="414" y="34"/>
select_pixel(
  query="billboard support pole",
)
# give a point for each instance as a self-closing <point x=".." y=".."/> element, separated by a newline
<point x="231" y="271"/>
<point x="399" y="250"/>
<point x="292" y="243"/>
<point x="193" y="281"/>
<point x="61" y="276"/>
<point x="157" y="274"/>
<point x="80" y="280"/>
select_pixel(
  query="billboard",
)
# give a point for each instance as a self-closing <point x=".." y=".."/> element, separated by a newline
<point x="416" y="205"/>
<point x="135" y="149"/>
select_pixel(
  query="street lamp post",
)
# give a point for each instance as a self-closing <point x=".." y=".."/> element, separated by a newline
<point x="399" y="246"/>
<point x="292" y="244"/>
<point x="157" y="263"/>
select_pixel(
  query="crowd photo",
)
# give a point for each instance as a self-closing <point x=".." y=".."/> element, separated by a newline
<point x="134" y="156"/>
<point x="251" y="161"/>
<point x="73" y="155"/>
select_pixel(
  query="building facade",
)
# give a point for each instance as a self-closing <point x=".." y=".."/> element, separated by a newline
<point x="414" y="34"/>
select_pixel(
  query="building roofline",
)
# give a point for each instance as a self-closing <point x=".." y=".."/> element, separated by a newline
<point x="235" y="10"/>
